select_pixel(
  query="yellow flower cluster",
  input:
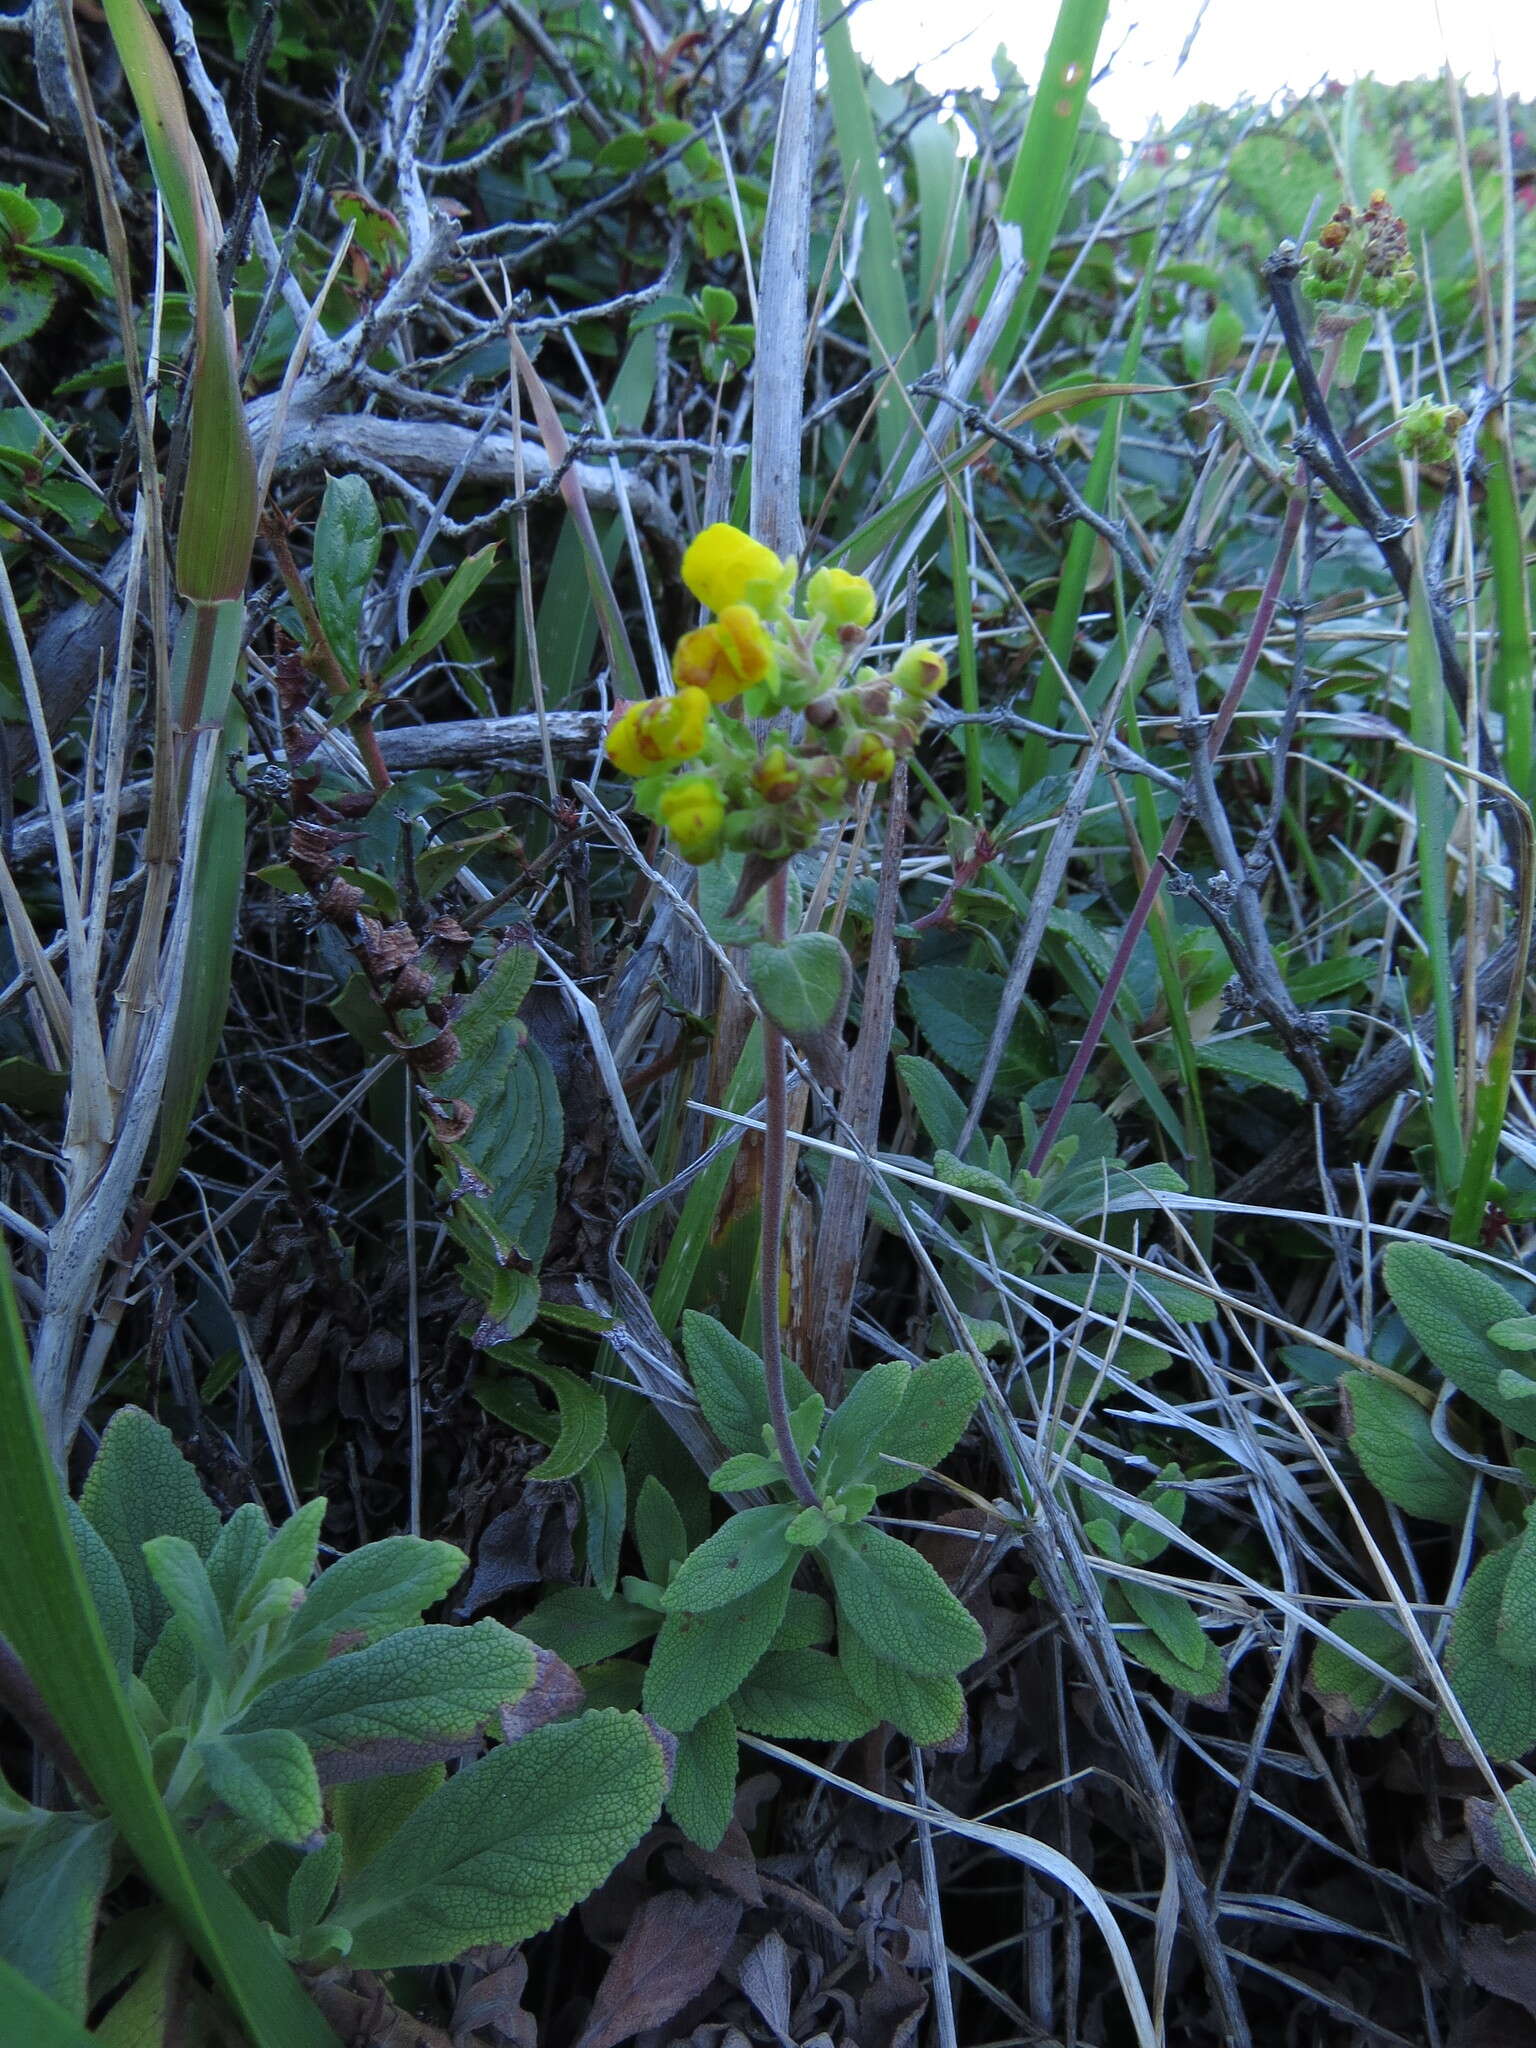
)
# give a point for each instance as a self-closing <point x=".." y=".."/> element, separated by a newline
<point x="701" y="773"/>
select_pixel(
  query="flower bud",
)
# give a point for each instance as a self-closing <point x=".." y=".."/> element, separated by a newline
<point x="867" y="758"/>
<point x="823" y="712"/>
<point x="776" y="777"/>
<point x="921" y="672"/>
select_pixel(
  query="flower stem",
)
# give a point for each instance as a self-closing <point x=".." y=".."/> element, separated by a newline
<point x="775" y="1152"/>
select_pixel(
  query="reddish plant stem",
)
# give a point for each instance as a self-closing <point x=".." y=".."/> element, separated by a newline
<point x="775" y="1153"/>
<point x="1173" y="838"/>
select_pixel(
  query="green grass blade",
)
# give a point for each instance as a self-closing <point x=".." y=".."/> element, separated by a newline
<point x="205" y="983"/>
<point x="882" y="290"/>
<point x="47" y="1613"/>
<point x="1036" y="195"/>
<point x="1426" y="696"/>
<point x="1513" y="678"/>
<point x="1073" y="587"/>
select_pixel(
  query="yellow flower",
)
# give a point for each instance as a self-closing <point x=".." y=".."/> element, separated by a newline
<point x="867" y="758"/>
<point x="748" y="647"/>
<point x="841" y="599"/>
<point x="693" y="811"/>
<point x="662" y="729"/>
<point x="727" y="657"/>
<point x="724" y="566"/>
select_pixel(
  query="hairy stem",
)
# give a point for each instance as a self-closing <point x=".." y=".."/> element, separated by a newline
<point x="775" y="1152"/>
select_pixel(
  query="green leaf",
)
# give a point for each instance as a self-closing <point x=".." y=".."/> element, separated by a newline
<point x="583" y="1411"/>
<point x="1389" y="1432"/>
<point x="370" y="1811"/>
<point x="25" y="304"/>
<point x="585" y="1625"/>
<point x="803" y="986"/>
<point x="802" y="1695"/>
<point x="1504" y="1846"/>
<point x="1205" y="1681"/>
<point x="1496" y="1695"/>
<point x="955" y="1008"/>
<point x="1346" y="1690"/>
<point x="370" y="1593"/>
<point x="312" y="1886"/>
<point x="182" y="1577"/>
<point x="47" y="2024"/>
<point x="659" y="1531"/>
<point x="289" y="1557"/>
<point x="699" y="1659"/>
<point x="1516" y="1630"/>
<point x="502" y="1849"/>
<point x="851" y="1438"/>
<point x="807" y="1623"/>
<point x="347" y="540"/>
<point x="48" y="1909"/>
<point x="1171" y="1619"/>
<point x="940" y="1399"/>
<point x="894" y="1599"/>
<point x="939" y="1105"/>
<point x="241" y="1545"/>
<point x="1250" y="1059"/>
<point x="729" y="1381"/>
<point x="1450" y="1308"/>
<point x="603" y="1499"/>
<point x="141" y="1486"/>
<point x="498" y="1169"/>
<point x="926" y="1709"/>
<point x="109" y="1592"/>
<point x="400" y="1704"/>
<point x="268" y="1778"/>
<point x="443" y="612"/>
<point x="746" y="1468"/>
<point x="85" y="266"/>
<point x="746" y="1552"/>
<point x="703" y="1790"/>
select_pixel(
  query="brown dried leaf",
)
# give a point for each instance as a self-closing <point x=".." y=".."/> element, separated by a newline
<point x="674" y="1946"/>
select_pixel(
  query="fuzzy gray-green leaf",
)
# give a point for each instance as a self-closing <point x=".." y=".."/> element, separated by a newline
<point x="748" y="1551"/>
<point x="501" y="1850"/>
<point x="699" y="1659"/>
<point x="141" y="1486"/>
<point x="895" y="1600"/>
<point x="405" y="1701"/>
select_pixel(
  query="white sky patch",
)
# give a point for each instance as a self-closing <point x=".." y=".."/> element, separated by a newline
<point x="1244" y="49"/>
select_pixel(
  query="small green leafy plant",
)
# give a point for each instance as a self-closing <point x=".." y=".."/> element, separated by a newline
<point x="34" y="265"/>
<point x="1482" y="1340"/>
<point x="735" y="1643"/>
<point x="300" y="1725"/>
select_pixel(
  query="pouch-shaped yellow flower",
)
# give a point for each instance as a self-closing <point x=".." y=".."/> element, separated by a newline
<point x="726" y="658"/>
<point x="724" y="566"/>
<point x="661" y="729"/>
